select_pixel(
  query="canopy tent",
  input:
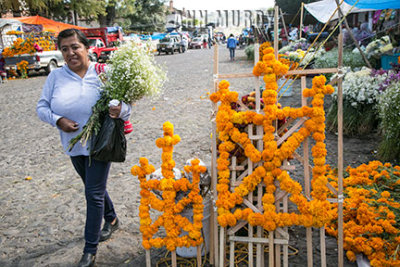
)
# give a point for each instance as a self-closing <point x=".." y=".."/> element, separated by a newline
<point x="48" y="24"/>
<point x="324" y="9"/>
<point x="375" y="4"/>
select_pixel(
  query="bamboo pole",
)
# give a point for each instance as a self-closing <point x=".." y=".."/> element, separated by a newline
<point x="301" y="20"/>
<point x="352" y="36"/>
<point x="148" y="259"/>
<point x="276" y="34"/>
<point x="340" y="155"/>
<point x="250" y="167"/>
<point x="214" y="222"/>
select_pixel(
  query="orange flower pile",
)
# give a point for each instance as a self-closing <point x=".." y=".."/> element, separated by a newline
<point x="22" y="67"/>
<point x="26" y="46"/>
<point x="311" y="213"/>
<point x="371" y="212"/>
<point x="171" y="219"/>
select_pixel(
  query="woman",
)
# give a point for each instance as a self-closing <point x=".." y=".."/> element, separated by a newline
<point x="66" y="102"/>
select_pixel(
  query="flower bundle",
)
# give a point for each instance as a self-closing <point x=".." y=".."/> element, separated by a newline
<point x="301" y="44"/>
<point x="132" y="74"/>
<point x="361" y="90"/>
<point x="378" y="47"/>
<point x="170" y="219"/>
<point x="389" y="115"/>
<point x="371" y="212"/>
<point x="311" y="213"/>
<point x="22" y="67"/>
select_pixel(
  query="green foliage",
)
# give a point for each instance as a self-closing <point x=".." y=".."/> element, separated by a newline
<point x="149" y="15"/>
<point x="249" y="50"/>
<point x="359" y="120"/>
<point x="330" y="59"/>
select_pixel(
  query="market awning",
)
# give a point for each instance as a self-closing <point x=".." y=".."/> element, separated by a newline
<point x="324" y="9"/>
<point x="375" y="4"/>
<point x="48" y="24"/>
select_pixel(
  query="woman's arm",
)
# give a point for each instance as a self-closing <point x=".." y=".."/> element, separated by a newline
<point x="43" y="108"/>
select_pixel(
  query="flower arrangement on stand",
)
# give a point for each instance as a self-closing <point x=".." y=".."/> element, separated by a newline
<point x="171" y="220"/>
<point x="371" y="212"/>
<point x="311" y="213"/>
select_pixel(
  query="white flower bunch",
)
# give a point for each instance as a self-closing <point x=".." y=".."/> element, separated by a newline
<point x="360" y="88"/>
<point x="379" y="46"/>
<point x="133" y="74"/>
<point x="389" y="110"/>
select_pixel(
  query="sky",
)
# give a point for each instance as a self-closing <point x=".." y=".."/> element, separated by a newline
<point x="222" y="4"/>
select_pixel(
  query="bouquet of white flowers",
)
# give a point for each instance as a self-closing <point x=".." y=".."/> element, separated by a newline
<point x="131" y="74"/>
<point x="378" y="47"/>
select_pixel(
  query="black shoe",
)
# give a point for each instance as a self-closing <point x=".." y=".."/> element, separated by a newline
<point x="108" y="229"/>
<point x="87" y="260"/>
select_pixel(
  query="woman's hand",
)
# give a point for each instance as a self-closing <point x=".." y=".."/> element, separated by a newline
<point x="67" y="125"/>
<point x="114" y="111"/>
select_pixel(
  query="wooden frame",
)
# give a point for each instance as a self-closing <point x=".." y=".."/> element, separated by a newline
<point x="277" y="240"/>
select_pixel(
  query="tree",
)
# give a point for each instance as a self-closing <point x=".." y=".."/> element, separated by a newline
<point x="291" y="7"/>
<point x="149" y="15"/>
<point x="18" y="6"/>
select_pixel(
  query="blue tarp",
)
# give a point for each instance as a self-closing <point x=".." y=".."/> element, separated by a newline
<point x="375" y="4"/>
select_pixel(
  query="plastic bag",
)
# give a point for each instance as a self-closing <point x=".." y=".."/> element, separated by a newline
<point x="110" y="143"/>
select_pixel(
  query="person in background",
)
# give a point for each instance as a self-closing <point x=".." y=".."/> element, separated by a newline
<point x="66" y="103"/>
<point x="231" y="44"/>
<point x="204" y="43"/>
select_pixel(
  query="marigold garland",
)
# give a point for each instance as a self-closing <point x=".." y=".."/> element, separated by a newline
<point x="170" y="219"/>
<point x="311" y="213"/>
<point x="371" y="212"/>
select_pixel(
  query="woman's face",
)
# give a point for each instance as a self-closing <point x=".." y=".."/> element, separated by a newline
<point x="75" y="53"/>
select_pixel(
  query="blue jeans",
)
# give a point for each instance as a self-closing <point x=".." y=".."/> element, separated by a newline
<point x="232" y="53"/>
<point x="98" y="202"/>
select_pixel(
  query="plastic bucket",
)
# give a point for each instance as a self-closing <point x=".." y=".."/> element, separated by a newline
<point x="285" y="91"/>
<point x="191" y="252"/>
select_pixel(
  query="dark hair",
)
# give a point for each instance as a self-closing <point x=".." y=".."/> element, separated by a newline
<point x="71" y="32"/>
<point x="231" y="35"/>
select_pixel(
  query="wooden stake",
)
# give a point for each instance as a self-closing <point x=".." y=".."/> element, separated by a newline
<point x="222" y="247"/>
<point x="284" y="24"/>
<point x="271" y="248"/>
<point x="148" y="259"/>
<point x="340" y="156"/>
<point x="301" y="20"/>
<point x="276" y="34"/>
<point x="323" y="246"/>
<point x="214" y="222"/>
<point x="232" y="254"/>
<point x="173" y="259"/>
<point x="307" y="185"/>
<point x="199" y="255"/>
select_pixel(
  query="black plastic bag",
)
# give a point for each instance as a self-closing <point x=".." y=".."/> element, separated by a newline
<point x="110" y="142"/>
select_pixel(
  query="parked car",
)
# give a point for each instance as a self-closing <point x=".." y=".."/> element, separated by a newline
<point x="196" y="43"/>
<point x="169" y="45"/>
